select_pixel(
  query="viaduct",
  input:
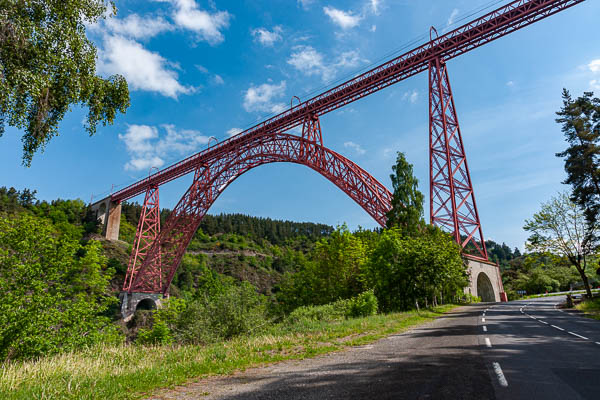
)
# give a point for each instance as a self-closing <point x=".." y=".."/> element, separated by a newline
<point x="157" y="251"/>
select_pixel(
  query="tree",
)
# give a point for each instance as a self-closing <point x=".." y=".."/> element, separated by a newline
<point x="405" y="269"/>
<point x="407" y="200"/>
<point x="560" y="228"/>
<point x="54" y="290"/>
<point x="47" y="64"/>
<point x="580" y="119"/>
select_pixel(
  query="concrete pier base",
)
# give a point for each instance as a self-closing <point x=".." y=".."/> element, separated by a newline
<point x="130" y="302"/>
<point x="485" y="280"/>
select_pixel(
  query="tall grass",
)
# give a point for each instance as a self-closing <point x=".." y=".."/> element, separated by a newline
<point x="130" y="372"/>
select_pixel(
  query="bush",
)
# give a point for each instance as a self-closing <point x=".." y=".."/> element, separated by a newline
<point x="469" y="298"/>
<point x="327" y="312"/>
<point x="363" y="305"/>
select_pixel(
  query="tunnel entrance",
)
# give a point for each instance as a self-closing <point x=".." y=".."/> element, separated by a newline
<point x="484" y="288"/>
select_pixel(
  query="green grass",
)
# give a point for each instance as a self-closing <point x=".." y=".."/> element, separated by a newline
<point x="591" y="308"/>
<point x="131" y="372"/>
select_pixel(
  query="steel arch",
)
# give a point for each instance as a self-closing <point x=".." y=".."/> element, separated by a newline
<point x="213" y="176"/>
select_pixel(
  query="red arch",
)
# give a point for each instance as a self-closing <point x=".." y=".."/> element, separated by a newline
<point x="213" y="177"/>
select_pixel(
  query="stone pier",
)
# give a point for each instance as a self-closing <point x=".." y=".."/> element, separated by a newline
<point x="485" y="280"/>
<point x="109" y="214"/>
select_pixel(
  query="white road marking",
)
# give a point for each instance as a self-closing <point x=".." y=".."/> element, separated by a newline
<point x="543" y="322"/>
<point x="482" y="319"/>
<point x="500" y="375"/>
<point x="487" y="342"/>
<point x="579" y="336"/>
<point x="485" y="328"/>
<point x="597" y="342"/>
<point x="557" y="327"/>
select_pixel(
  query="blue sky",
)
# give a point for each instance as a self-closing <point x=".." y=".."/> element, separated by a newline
<point x="210" y="68"/>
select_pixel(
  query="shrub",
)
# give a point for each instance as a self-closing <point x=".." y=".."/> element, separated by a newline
<point x="363" y="305"/>
<point x="327" y="312"/>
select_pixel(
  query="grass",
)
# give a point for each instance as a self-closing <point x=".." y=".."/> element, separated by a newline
<point x="591" y="308"/>
<point x="131" y="372"/>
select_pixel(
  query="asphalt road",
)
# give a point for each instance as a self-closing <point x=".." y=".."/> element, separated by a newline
<point x="505" y="351"/>
<point x="542" y="352"/>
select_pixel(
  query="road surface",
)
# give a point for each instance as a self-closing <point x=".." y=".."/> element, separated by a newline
<point x="517" y="350"/>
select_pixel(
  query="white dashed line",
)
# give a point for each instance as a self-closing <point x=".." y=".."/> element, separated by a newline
<point x="487" y="342"/>
<point x="557" y="327"/>
<point x="597" y="342"/>
<point x="579" y="336"/>
<point x="543" y="322"/>
<point x="485" y="328"/>
<point x="482" y="319"/>
<point x="500" y="375"/>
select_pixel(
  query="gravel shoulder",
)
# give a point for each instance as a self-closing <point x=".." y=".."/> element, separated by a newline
<point x="438" y="360"/>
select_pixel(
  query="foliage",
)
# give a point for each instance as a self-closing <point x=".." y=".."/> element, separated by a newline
<point x="220" y="309"/>
<point x="47" y="64"/>
<point x="363" y="305"/>
<point x="407" y="201"/>
<point x="333" y="271"/>
<point x="405" y="270"/>
<point x="561" y="229"/>
<point x="53" y="290"/>
<point x="580" y="119"/>
<point x="337" y="310"/>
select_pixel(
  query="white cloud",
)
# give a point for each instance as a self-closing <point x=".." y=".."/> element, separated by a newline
<point x="411" y="96"/>
<point x="208" y="26"/>
<point x="510" y="83"/>
<point x="310" y="62"/>
<point x="305" y="3"/>
<point x="234" y="131"/>
<point x="137" y="27"/>
<point x="452" y="17"/>
<point x="266" y="37"/>
<point x="218" y="80"/>
<point x="143" y="69"/>
<point x="595" y="84"/>
<point x="344" y="19"/>
<point x="373" y="28"/>
<point x="356" y="147"/>
<point x="375" y="6"/>
<point x="149" y="149"/>
<point x="263" y="98"/>
<point x="594" y="66"/>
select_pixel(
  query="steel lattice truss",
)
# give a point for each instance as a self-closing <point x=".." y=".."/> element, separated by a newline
<point x="212" y="179"/>
<point x="147" y="231"/>
<point x="452" y="203"/>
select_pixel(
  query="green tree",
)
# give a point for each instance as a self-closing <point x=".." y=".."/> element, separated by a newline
<point x="560" y="228"/>
<point x="54" y="290"/>
<point x="580" y="119"/>
<point x="404" y="270"/>
<point x="407" y="200"/>
<point x="47" y="64"/>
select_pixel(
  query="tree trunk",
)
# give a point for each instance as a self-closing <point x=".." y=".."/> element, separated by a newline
<point x="586" y="282"/>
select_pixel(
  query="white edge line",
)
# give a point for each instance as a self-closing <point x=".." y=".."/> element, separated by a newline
<point x="487" y="342"/>
<point x="543" y="322"/>
<point x="557" y="327"/>
<point x="500" y="374"/>
<point x="579" y="336"/>
<point x="597" y="342"/>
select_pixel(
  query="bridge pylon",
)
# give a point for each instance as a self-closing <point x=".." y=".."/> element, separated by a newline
<point x="452" y="200"/>
<point x="146" y="233"/>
